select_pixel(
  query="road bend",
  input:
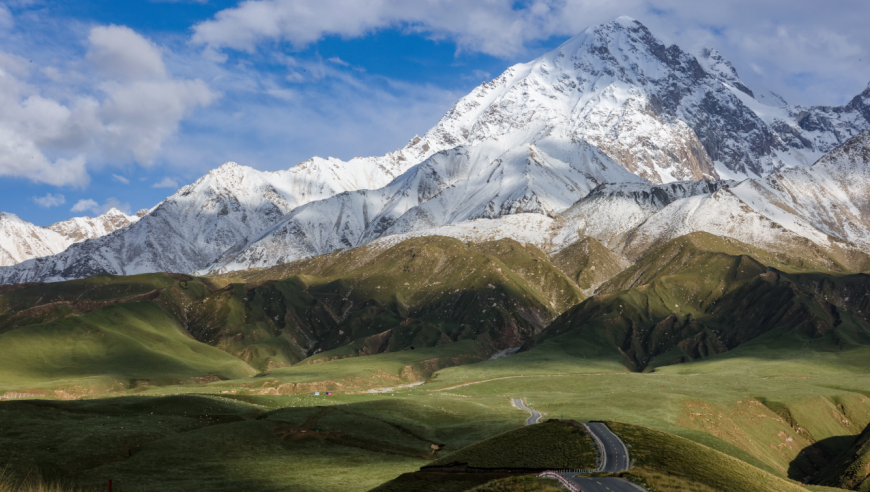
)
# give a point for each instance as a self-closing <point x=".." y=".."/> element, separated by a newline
<point x="614" y="452"/>
<point x="534" y="414"/>
<point x="607" y="484"/>
<point x="615" y="457"/>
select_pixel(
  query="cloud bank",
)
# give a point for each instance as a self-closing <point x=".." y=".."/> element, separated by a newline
<point x="136" y="106"/>
<point x="808" y="48"/>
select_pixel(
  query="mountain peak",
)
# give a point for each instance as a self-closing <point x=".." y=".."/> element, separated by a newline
<point x="10" y="216"/>
<point x="626" y="21"/>
<point x="113" y="212"/>
<point x="719" y="67"/>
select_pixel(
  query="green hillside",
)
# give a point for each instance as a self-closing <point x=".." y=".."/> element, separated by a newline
<point x="689" y="300"/>
<point x="588" y="263"/>
<point x="851" y="469"/>
<point x="114" y="348"/>
<point x="418" y="295"/>
<point x="549" y="445"/>
<point x="667" y="462"/>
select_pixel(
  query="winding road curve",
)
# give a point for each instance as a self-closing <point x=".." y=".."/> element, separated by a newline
<point x="612" y="449"/>
<point x="535" y="415"/>
<point x="615" y="460"/>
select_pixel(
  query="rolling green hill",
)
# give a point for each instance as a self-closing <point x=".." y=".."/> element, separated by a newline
<point x="698" y="296"/>
<point x="418" y="295"/>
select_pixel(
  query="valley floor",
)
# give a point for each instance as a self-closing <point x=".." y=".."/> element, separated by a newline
<point x="782" y="417"/>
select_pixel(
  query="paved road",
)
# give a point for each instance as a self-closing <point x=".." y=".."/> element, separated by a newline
<point x="615" y="461"/>
<point x="603" y="484"/>
<point x="615" y="454"/>
<point x="535" y="415"/>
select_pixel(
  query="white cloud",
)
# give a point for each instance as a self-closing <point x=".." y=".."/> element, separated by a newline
<point x="86" y="205"/>
<point x="137" y="106"/>
<point x="166" y="183"/>
<point x="119" y="51"/>
<point x="492" y="27"/>
<point x="6" y="20"/>
<point x="90" y="205"/>
<point x="49" y="200"/>
<point x="809" y="40"/>
<point x="338" y="61"/>
<point x="120" y="179"/>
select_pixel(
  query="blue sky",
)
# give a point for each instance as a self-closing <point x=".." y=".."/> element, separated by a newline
<point x="119" y="103"/>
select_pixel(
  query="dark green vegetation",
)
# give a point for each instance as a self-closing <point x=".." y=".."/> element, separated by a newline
<point x="551" y="445"/>
<point x="117" y="333"/>
<point x="731" y="356"/>
<point x="663" y="461"/>
<point x="589" y="263"/>
<point x="700" y="295"/>
<point x="253" y="443"/>
<point x="850" y="470"/>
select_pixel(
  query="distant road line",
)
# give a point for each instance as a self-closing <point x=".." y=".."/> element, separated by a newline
<point x="452" y="386"/>
<point x="534" y="414"/>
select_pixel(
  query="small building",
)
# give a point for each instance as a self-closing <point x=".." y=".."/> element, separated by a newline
<point x="316" y="393"/>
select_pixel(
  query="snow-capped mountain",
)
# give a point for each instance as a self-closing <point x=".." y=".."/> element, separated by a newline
<point x="607" y="119"/>
<point x="81" y="228"/>
<point x="487" y="180"/>
<point x="188" y="230"/>
<point x="797" y="211"/>
<point x="20" y="240"/>
<point x="658" y="111"/>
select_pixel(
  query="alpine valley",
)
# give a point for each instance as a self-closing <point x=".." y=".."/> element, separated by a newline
<point x="618" y="231"/>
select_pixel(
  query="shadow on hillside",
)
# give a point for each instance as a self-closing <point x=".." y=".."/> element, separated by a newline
<point x="812" y="459"/>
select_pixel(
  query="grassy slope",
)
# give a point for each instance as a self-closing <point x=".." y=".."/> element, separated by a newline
<point x="357" y="373"/>
<point x="658" y="456"/>
<point x="424" y="293"/>
<point x="851" y="469"/>
<point x="550" y="445"/>
<point x="117" y="347"/>
<point x="763" y="403"/>
<point x="589" y="263"/>
<point x="690" y="300"/>
<point x="252" y="443"/>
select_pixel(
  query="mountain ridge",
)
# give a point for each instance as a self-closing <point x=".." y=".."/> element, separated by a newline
<point x="611" y="106"/>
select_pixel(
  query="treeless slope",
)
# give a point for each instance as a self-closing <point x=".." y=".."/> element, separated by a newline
<point x="588" y="263"/>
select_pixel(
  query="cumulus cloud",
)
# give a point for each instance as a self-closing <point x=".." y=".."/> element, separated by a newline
<point x="493" y="27"/>
<point x="85" y="205"/>
<point x="91" y="205"/>
<point x="136" y="107"/>
<point x="165" y="183"/>
<point x="120" y="51"/>
<point x="49" y="200"/>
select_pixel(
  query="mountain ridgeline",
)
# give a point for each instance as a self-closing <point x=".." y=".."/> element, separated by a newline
<point x="691" y="298"/>
<point x="613" y="135"/>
